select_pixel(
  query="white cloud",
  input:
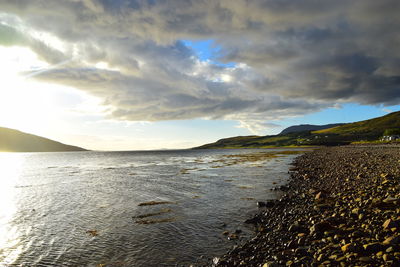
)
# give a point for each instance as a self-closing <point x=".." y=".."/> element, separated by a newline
<point x="292" y="57"/>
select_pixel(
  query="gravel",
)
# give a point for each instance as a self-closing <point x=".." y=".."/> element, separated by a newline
<point x="340" y="208"/>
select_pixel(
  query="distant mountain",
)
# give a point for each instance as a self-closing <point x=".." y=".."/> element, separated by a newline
<point x="16" y="141"/>
<point x="308" y="127"/>
<point x="368" y="130"/>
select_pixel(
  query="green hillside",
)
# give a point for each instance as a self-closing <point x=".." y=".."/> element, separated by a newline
<point x="368" y="130"/>
<point x="16" y="141"/>
<point x="258" y="141"/>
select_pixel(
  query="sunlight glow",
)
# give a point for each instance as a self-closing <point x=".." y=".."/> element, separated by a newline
<point x="20" y="103"/>
<point x="10" y="166"/>
<point x="32" y="106"/>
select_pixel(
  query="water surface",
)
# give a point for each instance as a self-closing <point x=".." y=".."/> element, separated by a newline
<point x="143" y="208"/>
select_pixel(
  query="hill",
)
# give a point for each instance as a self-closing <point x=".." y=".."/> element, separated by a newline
<point x="16" y="141"/>
<point x="368" y="130"/>
<point x="308" y="127"/>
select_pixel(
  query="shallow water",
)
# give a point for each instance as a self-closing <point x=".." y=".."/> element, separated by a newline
<point x="143" y="208"/>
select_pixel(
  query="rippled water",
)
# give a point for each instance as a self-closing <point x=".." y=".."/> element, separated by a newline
<point x="84" y="208"/>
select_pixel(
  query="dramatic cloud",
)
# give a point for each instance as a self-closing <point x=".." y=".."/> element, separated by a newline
<point x="290" y="57"/>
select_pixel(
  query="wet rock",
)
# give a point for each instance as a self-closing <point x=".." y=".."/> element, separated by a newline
<point x="261" y="204"/>
<point x="92" y="232"/>
<point x="233" y="236"/>
<point x="267" y="204"/>
<point x="284" y="188"/>
<point x="255" y="220"/>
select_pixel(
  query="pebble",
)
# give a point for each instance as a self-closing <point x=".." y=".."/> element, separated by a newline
<point x="327" y="217"/>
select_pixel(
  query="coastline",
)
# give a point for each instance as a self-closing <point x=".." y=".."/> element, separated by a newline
<point x="341" y="208"/>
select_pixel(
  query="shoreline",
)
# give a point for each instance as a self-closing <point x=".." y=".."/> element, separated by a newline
<point x="341" y="207"/>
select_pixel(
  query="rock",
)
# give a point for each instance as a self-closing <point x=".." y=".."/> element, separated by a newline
<point x="284" y="188"/>
<point x="389" y="249"/>
<point x="255" y="220"/>
<point x="301" y="241"/>
<point x="301" y="251"/>
<point x="292" y="244"/>
<point x="321" y="227"/>
<point x="261" y="204"/>
<point x="390" y="200"/>
<point x="365" y="259"/>
<point x="348" y="247"/>
<point x="333" y="257"/>
<point x="391" y="241"/>
<point x="386" y="257"/>
<point x="233" y="236"/>
<point x="387" y="224"/>
<point x="355" y="211"/>
<point x="319" y="196"/>
<point x="322" y="207"/>
<point x="297" y="228"/>
<point x="384" y="175"/>
<point x="390" y="224"/>
<point x="92" y="232"/>
<point x="272" y="264"/>
<point x="267" y="204"/>
<point x="341" y="259"/>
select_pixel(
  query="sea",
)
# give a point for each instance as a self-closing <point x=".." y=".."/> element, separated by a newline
<point x="133" y="208"/>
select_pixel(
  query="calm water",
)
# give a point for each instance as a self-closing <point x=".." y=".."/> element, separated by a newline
<point x="49" y="202"/>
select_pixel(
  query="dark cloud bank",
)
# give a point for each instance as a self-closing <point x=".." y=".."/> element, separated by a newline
<point x="292" y="57"/>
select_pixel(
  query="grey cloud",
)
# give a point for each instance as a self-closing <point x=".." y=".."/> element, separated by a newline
<point x="293" y="57"/>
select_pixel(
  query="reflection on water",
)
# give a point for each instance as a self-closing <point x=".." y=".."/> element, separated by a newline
<point x="10" y="169"/>
<point x="130" y="208"/>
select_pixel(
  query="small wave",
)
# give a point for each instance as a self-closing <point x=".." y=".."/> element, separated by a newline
<point x="172" y="219"/>
<point x="163" y="211"/>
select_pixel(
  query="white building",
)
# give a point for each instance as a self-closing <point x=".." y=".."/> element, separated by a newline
<point x="390" y="137"/>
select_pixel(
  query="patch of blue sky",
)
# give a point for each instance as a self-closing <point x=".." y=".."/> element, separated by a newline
<point x="208" y="50"/>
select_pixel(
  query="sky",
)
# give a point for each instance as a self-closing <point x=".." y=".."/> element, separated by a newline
<point x="148" y="74"/>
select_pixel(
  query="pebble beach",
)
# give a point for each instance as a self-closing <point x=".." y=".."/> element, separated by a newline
<point x="340" y="208"/>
